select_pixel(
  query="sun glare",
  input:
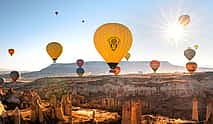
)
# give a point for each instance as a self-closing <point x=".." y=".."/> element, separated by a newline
<point x="174" y="32"/>
<point x="170" y="28"/>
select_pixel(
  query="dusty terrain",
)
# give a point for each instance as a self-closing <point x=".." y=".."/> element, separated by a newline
<point x="162" y="94"/>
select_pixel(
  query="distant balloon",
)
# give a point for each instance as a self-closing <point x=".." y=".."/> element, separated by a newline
<point x="11" y="51"/>
<point x="80" y="71"/>
<point x="54" y="50"/>
<point x="128" y="55"/>
<point x="191" y="67"/>
<point x="113" y="41"/>
<point x="14" y="75"/>
<point x="82" y="21"/>
<point x="56" y="12"/>
<point x="117" y="70"/>
<point x="196" y="46"/>
<point x="154" y="64"/>
<point x="1" y="81"/>
<point x="189" y="53"/>
<point x="184" y="20"/>
<point x="80" y="62"/>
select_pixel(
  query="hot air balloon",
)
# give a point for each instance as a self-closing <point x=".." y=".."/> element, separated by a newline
<point x="191" y="67"/>
<point x="80" y="62"/>
<point x="184" y="20"/>
<point x="54" y="50"/>
<point x="80" y="71"/>
<point x="155" y="64"/>
<point x="113" y="41"/>
<point x="117" y="70"/>
<point x="11" y="51"/>
<point x="1" y="81"/>
<point x="56" y="12"/>
<point x="128" y="55"/>
<point x="196" y="46"/>
<point x="189" y="53"/>
<point x="14" y="75"/>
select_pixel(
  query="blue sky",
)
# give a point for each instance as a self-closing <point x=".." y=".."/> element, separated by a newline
<point x="29" y="25"/>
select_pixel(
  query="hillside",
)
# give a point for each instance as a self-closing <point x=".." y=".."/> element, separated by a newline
<point x="101" y="68"/>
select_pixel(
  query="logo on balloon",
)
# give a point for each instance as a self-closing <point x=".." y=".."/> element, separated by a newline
<point x="114" y="42"/>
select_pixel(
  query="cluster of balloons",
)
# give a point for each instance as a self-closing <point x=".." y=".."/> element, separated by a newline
<point x="189" y="54"/>
<point x="113" y="41"/>
<point x="14" y="75"/>
<point x="80" y="71"/>
<point x="55" y="49"/>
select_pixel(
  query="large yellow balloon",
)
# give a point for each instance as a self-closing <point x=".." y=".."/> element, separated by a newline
<point x="54" y="50"/>
<point x="113" y="41"/>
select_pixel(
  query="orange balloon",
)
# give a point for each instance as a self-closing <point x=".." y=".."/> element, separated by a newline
<point x="154" y="64"/>
<point x="191" y="67"/>
<point x="184" y="20"/>
<point x="117" y="70"/>
<point x="11" y="51"/>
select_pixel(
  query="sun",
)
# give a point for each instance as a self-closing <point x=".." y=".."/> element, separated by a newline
<point x="174" y="32"/>
<point x="170" y="29"/>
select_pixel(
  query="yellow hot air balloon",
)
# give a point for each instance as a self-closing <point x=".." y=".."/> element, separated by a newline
<point x="196" y="46"/>
<point x="127" y="56"/>
<point x="113" y="41"/>
<point x="54" y="50"/>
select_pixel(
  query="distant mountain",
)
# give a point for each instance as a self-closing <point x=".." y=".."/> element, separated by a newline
<point x="7" y="71"/>
<point x="4" y="71"/>
<point x="99" y="67"/>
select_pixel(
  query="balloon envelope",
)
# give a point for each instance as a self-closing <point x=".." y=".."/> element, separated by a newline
<point x="14" y="75"/>
<point x="113" y="41"/>
<point x="184" y="20"/>
<point x="54" y="50"/>
<point x="128" y="55"/>
<point x="80" y="62"/>
<point x="189" y="53"/>
<point x="80" y="71"/>
<point x="56" y="12"/>
<point x="11" y="51"/>
<point x="117" y="70"/>
<point x="191" y="67"/>
<point x="196" y="46"/>
<point x="154" y="64"/>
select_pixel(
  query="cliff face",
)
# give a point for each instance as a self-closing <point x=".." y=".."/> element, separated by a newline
<point x="100" y="68"/>
<point x="169" y="95"/>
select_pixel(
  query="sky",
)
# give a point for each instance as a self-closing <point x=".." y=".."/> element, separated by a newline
<point x="29" y="25"/>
